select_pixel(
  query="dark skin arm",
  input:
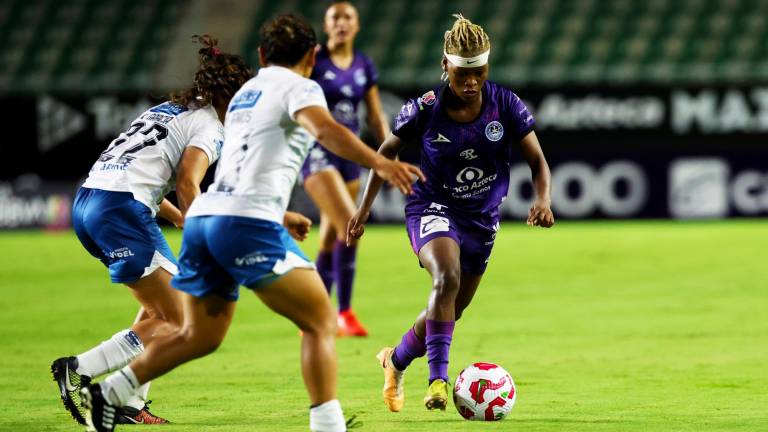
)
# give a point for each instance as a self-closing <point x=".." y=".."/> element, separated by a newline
<point x="356" y="226"/>
<point x="540" y="213"/>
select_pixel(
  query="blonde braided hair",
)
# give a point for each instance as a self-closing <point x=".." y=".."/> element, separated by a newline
<point x="465" y="38"/>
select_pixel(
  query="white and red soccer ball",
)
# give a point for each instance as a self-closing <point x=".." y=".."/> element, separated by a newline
<point x="484" y="391"/>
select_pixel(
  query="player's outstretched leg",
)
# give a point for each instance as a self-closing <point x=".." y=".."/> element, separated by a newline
<point x="206" y="321"/>
<point x="299" y="295"/>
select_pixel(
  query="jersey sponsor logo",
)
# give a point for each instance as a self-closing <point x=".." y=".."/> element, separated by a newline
<point x="468" y="154"/>
<point x="494" y="131"/>
<point x="433" y="224"/>
<point x="157" y="117"/>
<point x="245" y="100"/>
<point x="347" y="91"/>
<point x="438" y="207"/>
<point x="169" y="108"/>
<point x="441" y="138"/>
<point x="122" y="252"/>
<point x="428" y="98"/>
<point x="251" y="259"/>
<point x="360" y="78"/>
<point x="469" y="174"/>
<point x="472" y="182"/>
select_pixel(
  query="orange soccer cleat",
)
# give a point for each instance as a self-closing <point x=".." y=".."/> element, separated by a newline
<point x="394" y="388"/>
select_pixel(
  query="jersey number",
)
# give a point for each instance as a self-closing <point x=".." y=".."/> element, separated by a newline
<point x="136" y="127"/>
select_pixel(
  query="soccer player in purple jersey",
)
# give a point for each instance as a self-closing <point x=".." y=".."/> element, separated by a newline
<point x="347" y="77"/>
<point x="466" y="130"/>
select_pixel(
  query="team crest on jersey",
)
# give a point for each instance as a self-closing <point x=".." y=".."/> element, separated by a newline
<point x="360" y="78"/>
<point x="494" y="131"/>
<point x="428" y="98"/>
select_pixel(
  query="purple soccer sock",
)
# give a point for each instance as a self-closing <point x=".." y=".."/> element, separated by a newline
<point x="411" y="347"/>
<point x="324" y="265"/>
<point x="439" y="336"/>
<point x="344" y="273"/>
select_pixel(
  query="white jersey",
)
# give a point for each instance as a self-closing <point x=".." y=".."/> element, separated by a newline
<point x="143" y="159"/>
<point x="264" y="147"/>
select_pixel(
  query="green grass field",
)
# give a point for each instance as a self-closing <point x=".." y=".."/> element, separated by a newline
<point x="604" y="327"/>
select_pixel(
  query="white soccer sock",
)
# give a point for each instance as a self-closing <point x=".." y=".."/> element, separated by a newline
<point x="110" y="355"/>
<point x="120" y="387"/>
<point x="327" y="417"/>
<point x="140" y="399"/>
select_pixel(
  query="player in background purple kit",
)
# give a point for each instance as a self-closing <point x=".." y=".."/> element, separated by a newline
<point x="466" y="130"/>
<point x="347" y="77"/>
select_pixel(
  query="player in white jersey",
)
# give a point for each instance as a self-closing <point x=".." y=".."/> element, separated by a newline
<point x="171" y="144"/>
<point x="233" y="235"/>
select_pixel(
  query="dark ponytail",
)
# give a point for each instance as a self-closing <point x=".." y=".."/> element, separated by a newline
<point x="218" y="76"/>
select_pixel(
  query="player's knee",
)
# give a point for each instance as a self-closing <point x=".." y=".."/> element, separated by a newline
<point x="446" y="282"/>
<point x="202" y="343"/>
<point x="323" y="326"/>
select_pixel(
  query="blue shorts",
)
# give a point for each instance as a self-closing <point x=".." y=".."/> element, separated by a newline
<point x="321" y="159"/>
<point x="220" y="253"/>
<point x="122" y="233"/>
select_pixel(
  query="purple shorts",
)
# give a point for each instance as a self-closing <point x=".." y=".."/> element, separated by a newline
<point x="428" y="220"/>
<point x="320" y="159"/>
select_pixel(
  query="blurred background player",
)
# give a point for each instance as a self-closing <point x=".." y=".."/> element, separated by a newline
<point x="347" y="76"/>
<point x="466" y="130"/>
<point x="169" y="145"/>
<point x="233" y="234"/>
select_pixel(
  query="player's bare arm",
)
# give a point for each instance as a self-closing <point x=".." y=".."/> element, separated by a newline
<point x="540" y="213"/>
<point x="377" y="120"/>
<point x="169" y="212"/>
<point x="356" y="227"/>
<point x="191" y="170"/>
<point x="341" y="141"/>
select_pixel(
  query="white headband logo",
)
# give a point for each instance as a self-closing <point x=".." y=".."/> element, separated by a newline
<point x="468" y="62"/>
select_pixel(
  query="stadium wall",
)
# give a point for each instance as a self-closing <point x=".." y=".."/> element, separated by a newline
<point x="623" y="152"/>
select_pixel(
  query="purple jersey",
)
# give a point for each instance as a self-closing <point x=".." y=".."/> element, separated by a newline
<point x="344" y="88"/>
<point x="466" y="164"/>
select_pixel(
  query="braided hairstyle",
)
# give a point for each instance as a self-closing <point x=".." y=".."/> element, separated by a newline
<point x="465" y="38"/>
<point x="218" y="77"/>
<point x="286" y="39"/>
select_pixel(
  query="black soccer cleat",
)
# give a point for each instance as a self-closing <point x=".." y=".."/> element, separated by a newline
<point x="70" y="383"/>
<point x="101" y="415"/>
<point x="130" y="415"/>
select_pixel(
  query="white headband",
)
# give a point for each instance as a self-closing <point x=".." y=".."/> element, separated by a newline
<point x="468" y="62"/>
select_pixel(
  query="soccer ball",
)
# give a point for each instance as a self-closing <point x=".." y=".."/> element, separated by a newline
<point x="484" y="391"/>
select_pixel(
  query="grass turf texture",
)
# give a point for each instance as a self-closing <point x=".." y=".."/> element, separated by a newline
<point x="604" y="327"/>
